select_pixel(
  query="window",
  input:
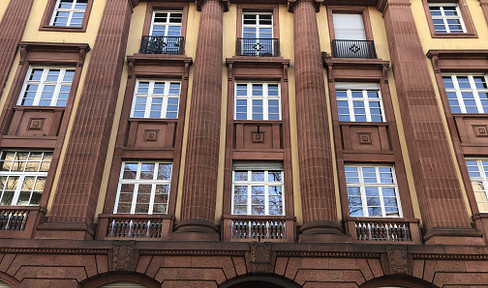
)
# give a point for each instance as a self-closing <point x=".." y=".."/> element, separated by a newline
<point x="359" y="102"/>
<point x="257" y="189"/>
<point x="69" y="13"/>
<point x="446" y="18"/>
<point x="47" y="87"/>
<point x="257" y="34"/>
<point x="466" y="93"/>
<point x="478" y="173"/>
<point x="166" y="23"/>
<point x="257" y="101"/>
<point x="372" y="191"/>
<point x="156" y="99"/>
<point x="348" y="26"/>
<point x="23" y="176"/>
<point x="143" y="188"/>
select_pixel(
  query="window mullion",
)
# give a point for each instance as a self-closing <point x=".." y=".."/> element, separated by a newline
<point x="57" y="88"/>
<point x="15" y="200"/>
<point x="475" y="94"/>
<point x="459" y="95"/>
<point x="266" y="194"/>
<point x="350" y="103"/>
<point x="153" y="189"/>
<point x="249" y="102"/>
<point x="149" y="99"/>
<point x="249" y="194"/>
<point x="40" y="89"/>
<point x="366" y="106"/>
<point x="265" y="102"/>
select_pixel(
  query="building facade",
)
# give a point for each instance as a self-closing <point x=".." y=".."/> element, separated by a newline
<point x="243" y="144"/>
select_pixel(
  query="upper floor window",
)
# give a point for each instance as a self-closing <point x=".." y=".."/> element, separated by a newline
<point x="23" y="176"/>
<point x="359" y="102"/>
<point x="166" y="23"/>
<point x="446" y="18"/>
<point x="156" y="99"/>
<point x="257" y="189"/>
<point x="143" y="188"/>
<point x="372" y="191"/>
<point x="348" y="26"/>
<point x="478" y="173"/>
<point x="466" y="93"/>
<point x="47" y="87"/>
<point x="257" y="34"/>
<point x="350" y="37"/>
<point x="69" y="13"/>
<point x="257" y="101"/>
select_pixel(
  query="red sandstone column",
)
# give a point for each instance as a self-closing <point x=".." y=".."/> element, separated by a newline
<point x="314" y="141"/>
<point x="444" y="213"/>
<point x="11" y="30"/>
<point x="484" y="7"/>
<point x="202" y="157"/>
<point x="76" y="196"/>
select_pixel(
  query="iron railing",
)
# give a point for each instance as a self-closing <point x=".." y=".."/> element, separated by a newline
<point x="162" y="45"/>
<point x="262" y="47"/>
<point x="354" y="49"/>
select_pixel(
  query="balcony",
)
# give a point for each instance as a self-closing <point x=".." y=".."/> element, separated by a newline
<point x="244" y="228"/>
<point x="259" y="47"/>
<point x="19" y="221"/>
<point x="353" y="49"/>
<point x="380" y="230"/>
<point x="162" y="45"/>
<point x="128" y="226"/>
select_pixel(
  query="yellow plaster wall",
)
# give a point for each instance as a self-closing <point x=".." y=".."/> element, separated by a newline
<point x="32" y="32"/>
<point x="190" y="51"/>
<point x="379" y="33"/>
<point x="3" y="7"/>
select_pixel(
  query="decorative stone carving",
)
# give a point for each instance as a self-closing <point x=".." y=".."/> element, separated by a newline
<point x="123" y="255"/>
<point x="150" y="135"/>
<point x="396" y="260"/>
<point x="365" y="138"/>
<point x="35" y="124"/>
<point x="260" y="257"/>
<point x="480" y="130"/>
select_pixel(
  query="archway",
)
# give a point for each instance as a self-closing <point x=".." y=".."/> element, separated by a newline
<point x="4" y="285"/>
<point x="256" y="281"/>
<point x="398" y="282"/>
<point x="121" y="280"/>
<point x="123" y="285"/>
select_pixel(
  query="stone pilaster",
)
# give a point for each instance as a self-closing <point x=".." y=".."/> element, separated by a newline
<point x="314" y="141"/>
<point x="202" y="157"/>
<point x="11" y="30"/>
<point x="76" y="195"/>
<point x="484" y="7"/>
<point x="444" y="212"/>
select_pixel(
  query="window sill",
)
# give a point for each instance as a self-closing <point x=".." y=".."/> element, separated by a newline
<point x="454" y="35"/>
<point x="62" y="28"/>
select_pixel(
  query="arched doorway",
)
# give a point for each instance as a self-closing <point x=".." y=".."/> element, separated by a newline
<point x="123" y="285"/>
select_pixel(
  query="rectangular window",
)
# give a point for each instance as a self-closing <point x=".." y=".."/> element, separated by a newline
<point x="446" y="18"/>
<point x="257" y="34"/>
<point x="359" y="102"/>
<point x="23" y="176"/>
<point x="69" y="13"/>
<point x="156" y="99"/>
<point x="257" y="189"/>
<point x="372" y="191"/>
<point x="478" y="173"/>
<point x="466" y="93"/>
<point x="143" y="188"/>
<point x="348" y="26"/>
<point x="257" y="101"/>
<point x="166" y="23"/>
<point x="47" y="87"/>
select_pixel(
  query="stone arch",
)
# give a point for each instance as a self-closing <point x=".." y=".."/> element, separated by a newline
<point x="397" y="282"/>
<point x="259" y="281"/>
<point x="120" y="277"/>
<point x="8" y="281"/>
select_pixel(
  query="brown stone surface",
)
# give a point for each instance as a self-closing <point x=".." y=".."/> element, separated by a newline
<point x="11" y="29"/>
<point x="314" y="143"/>
<point x="202" y="157"/>
<point x="437" y="185"/>
<point x="81" y="174"/>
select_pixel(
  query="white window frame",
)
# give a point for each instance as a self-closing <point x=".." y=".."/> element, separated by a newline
<point x="43" y="82"/>
<point x="150" y="96"/>
<point x="362" y="187"/>
<point x="258" y="167"/>
<point x="444" y="18"/>
<point x="473" y="90"/>
<point x="482" y="178"/>
<point x="137" y="181"/>
<point x="265" y="97"/>
<point x="166" y="24"/>
<point x="338" y="21"/>
<point x="23" y="174"/>
<point x="257" y="26"/>
<point x="349" y="87"/>
<point x="71" y="11"/>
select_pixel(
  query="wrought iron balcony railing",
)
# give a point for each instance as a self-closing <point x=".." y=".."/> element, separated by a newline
<point x="354" y="49"/>
<point x="162" y="45"/>
<point x="261" y="47"/>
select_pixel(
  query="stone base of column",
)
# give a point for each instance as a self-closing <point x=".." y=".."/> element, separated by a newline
<point x="195" y="230"/>
<point x="454" y="236"/>
<point x="65" y="230"/>
<point x="323" y="231"/>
